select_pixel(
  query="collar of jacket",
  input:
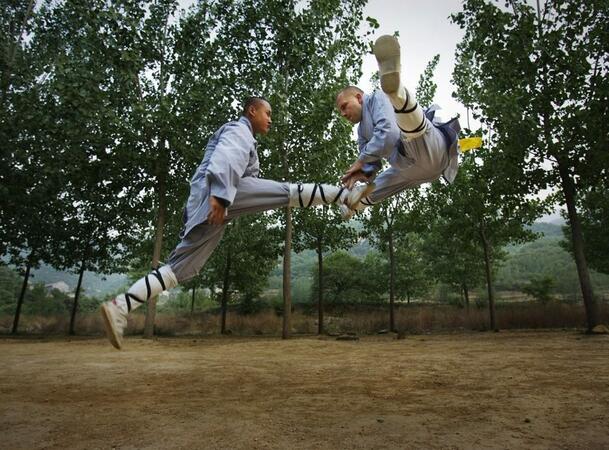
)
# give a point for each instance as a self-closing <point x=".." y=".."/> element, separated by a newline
<point x="246" y="121"/>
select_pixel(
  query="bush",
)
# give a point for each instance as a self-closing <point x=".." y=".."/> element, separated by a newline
<point x="539" y="288"/>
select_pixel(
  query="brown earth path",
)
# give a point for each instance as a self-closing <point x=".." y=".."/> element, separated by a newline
<point x="508" y="390"/>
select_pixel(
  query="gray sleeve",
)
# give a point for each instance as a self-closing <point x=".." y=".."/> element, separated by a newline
<point x="229" y="161"/>
<point x="385" y="131"/>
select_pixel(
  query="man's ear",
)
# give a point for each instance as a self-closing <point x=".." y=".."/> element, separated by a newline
<point x="360" y="98"/>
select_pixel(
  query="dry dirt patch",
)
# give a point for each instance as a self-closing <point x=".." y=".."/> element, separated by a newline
<point x="482" y="391"/>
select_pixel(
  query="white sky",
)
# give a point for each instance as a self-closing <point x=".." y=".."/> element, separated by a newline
<point x="425" y="30"/>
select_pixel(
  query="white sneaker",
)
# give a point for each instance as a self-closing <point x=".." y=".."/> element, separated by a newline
<point x="345" y="212"/>
<point x="115" y="322"/>
<point x="387" y="52"/>
<point x="352" y="201"/>
<point x="357" y="193"/>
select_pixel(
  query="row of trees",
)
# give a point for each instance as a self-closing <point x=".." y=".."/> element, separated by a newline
<point x="107" y="107"/>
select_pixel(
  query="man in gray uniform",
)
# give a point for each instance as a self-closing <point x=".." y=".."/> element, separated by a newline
<point x="393" y="126"/>
<point x="225" y="186"/>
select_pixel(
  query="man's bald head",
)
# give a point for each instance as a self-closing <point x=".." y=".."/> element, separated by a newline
<point x="349" y="90"/>
<point x="258" y="110"/>
<point x="349" y="102"/>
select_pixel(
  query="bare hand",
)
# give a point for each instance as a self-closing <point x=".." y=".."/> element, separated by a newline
<point x="218" y="211"/>
<point x="354" y="178"/>
<point x="355" y="167"/>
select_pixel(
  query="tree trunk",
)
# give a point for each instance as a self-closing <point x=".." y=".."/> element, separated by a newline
<point x="161" y="171"/>
<point x="225" y="286"/>
<point x="466" y="295"/>
<point x="76" y="296"/>
<point x="192" y="303"/>
<point x="287" y="271"/>
<point x="320" y="304"/>
<point x="391" y="284"/>
<point x="577" y="239"/>
<point x="158" y="245"/>
<point x="21" y="297"/>
<point x="489" y="279"/>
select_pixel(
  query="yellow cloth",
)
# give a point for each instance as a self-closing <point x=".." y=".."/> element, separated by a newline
<point x="470" y="143"/>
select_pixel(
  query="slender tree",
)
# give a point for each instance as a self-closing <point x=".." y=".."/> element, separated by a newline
<point x="537" y="77"/>
<point x="322" y="230"/>
<point x="484" y="210"/>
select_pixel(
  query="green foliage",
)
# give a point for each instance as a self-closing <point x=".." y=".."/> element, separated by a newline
<point x="426" y="88"/>
<point x="10" y="285"/>
<point x="540" y="289"/>
<point x="181" y="302"/>
<point x="594" y="214"/>
<point x="348" y="280"/>
<point x="539" y="80"/>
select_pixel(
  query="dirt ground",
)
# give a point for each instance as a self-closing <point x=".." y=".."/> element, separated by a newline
<point x="508" y="390"/>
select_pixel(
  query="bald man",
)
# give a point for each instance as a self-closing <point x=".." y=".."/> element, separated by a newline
<point x="393" y="126"/>
<point x="224" y="186"/>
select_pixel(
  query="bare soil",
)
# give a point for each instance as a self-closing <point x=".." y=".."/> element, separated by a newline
<point x="508" y="390"/>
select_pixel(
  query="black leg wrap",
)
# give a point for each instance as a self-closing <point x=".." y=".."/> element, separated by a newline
<point x="340" y="191"/>
<point x="321" y="192"/>
<point x="159" y="277"/>
<point x="307" y="202"/>
<point x="130" y="297"/>
<point x="300" y="189"/>
<point x="417" y="129"/>
<point x="312" y="195"/>
<point x="403" y="110"/>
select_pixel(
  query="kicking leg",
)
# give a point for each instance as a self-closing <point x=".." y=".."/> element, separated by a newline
<point x="392" y="181"/>
<point x="387" y="183"/>
<point x="409" y="114"/>
<point x="257" y="194"/>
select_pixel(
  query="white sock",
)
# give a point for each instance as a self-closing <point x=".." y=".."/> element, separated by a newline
<point x="146" y="288"/>
<point x="408" y="113"/>
<point x="304" y="195"/>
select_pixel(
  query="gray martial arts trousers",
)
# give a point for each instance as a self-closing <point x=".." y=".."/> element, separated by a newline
<point x="195" y="248"/>
<point x="423" y="160"/>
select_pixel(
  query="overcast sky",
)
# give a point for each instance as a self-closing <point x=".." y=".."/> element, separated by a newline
<point x="425" y="30"/>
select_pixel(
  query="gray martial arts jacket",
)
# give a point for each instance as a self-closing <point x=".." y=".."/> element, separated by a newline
<point x="230" y="154"/>
<point x="379" y="135"/>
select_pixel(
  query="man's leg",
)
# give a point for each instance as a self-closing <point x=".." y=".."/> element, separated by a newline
<point x="191" y="254"/>
<point x="257" y="194"/>
<point x="409" y="114"/>
<point x="390" y="182"/>
<point x="422" y="162"/>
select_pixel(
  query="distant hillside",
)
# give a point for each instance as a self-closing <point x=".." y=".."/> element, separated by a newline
<point x="549" y="230"/>
<point x="94" y="285"/>
<point x="541" y="257"/>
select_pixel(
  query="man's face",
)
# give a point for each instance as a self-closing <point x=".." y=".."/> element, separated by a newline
<point x="260" y="117"/>
<point x="350" y="106"/>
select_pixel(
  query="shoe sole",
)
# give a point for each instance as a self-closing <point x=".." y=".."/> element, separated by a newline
<point x="110" y="331"/>
<point x="387" y="53"/>
<point x="346" y="213"/>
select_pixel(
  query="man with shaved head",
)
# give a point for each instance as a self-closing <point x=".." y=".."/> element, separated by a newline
<point x="224" y="186"/>
<point x="393" y="126"/>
